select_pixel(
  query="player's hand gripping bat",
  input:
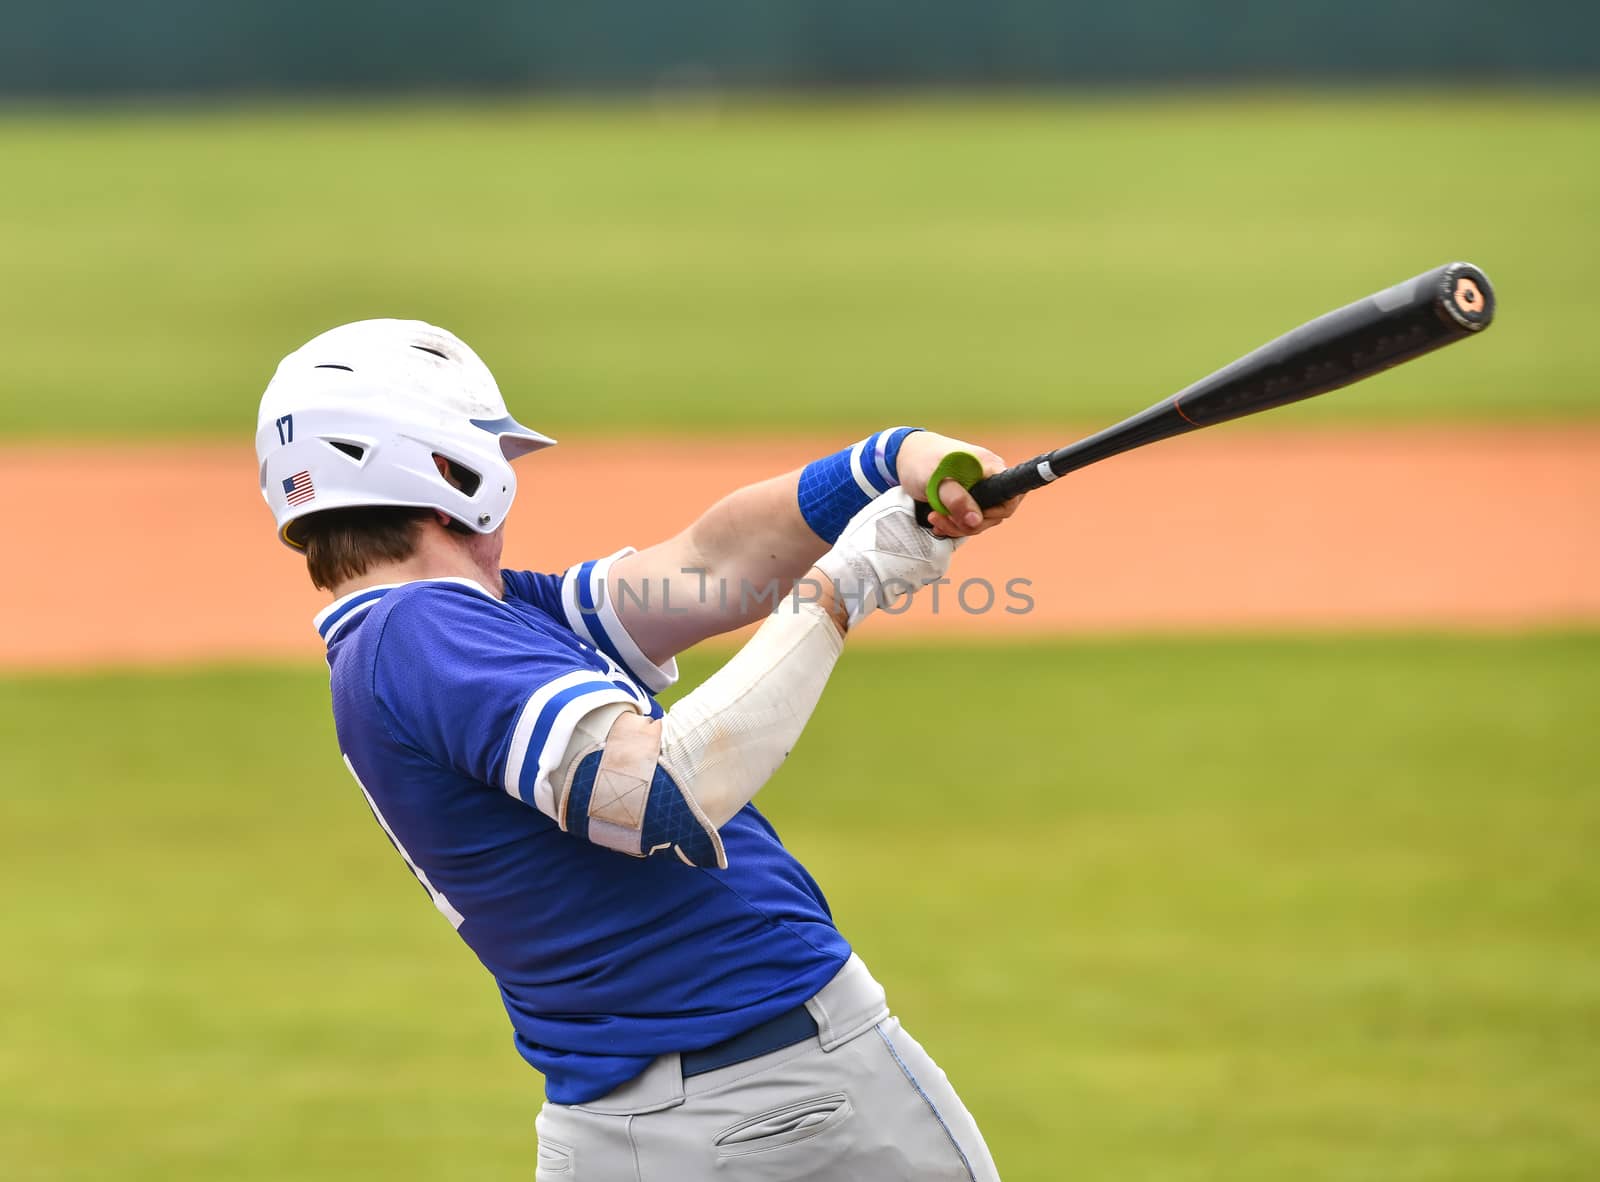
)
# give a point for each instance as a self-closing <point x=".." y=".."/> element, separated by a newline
<point x="1437" y="308"/>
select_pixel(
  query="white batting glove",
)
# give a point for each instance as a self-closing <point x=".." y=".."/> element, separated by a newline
<point x="883" y="556"/>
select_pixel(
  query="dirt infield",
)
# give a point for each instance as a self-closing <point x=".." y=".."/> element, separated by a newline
<point x="166" y="554"/>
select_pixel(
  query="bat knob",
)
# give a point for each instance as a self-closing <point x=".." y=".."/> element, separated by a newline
<point x="1466" y="296"/>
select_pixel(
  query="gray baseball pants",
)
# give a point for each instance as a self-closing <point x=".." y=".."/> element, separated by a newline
<point x="860" y="1102"/>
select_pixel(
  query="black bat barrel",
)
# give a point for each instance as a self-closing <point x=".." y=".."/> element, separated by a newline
<point x="1354" y="342"/>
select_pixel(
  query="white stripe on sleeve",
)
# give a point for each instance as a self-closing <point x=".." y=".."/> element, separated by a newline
<point x="856" y="470"/>
<point x="594" y="691"/>
<point x="577" y="618"/>
<point x="880" y="454"/>
<point x="653" y="677"/>
<point x="554" y="751"/>
<point x="602" y="627"/>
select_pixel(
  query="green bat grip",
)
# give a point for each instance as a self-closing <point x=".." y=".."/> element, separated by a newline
<point x="961" y="466"/>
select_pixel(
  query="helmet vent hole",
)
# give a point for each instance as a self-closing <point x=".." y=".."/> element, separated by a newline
<point x="353" y="450"/>
<point x="435" y="352"/>
<point x="459" y="475"/>
<point x="346" y="368"/>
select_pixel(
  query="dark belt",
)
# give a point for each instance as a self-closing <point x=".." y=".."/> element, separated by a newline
<point x="774" y="1034"/>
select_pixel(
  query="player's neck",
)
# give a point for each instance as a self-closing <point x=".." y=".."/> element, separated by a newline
<point x="439" y="555"/>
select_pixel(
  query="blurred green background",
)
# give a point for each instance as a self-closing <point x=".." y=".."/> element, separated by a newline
<point x="1231" y="908"/>
<point x="695" y="267"/>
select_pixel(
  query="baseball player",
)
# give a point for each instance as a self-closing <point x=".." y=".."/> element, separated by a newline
<point x="666" y="963"/>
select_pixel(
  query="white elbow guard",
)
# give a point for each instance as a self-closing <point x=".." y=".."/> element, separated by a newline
<point x="640" y="786"/>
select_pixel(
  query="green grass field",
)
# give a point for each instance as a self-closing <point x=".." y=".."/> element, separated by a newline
<point x="1174" y="910"/>
<point x="680" y="268"/>
<point x="1169" y="910"/>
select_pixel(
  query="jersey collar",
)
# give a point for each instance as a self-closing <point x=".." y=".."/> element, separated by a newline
<point x="341" y="611"/>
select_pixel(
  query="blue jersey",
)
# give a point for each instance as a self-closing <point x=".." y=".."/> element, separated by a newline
<point x="452" y="709"/>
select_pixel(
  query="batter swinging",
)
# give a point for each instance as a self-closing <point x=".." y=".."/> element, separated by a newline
<point x="666" y="963"/>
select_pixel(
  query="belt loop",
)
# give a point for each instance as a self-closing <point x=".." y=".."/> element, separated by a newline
<point x="849" y="1004"/>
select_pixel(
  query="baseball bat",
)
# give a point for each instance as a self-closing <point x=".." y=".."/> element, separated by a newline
<point x="1428" y="312"/>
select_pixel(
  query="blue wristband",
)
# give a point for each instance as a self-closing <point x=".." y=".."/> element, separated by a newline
<point x="837" y="487"/>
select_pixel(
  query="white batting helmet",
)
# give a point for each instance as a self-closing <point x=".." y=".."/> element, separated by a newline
<point x="356" y="417"/>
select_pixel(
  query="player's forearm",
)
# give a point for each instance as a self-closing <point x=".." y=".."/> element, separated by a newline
<point x="752" y="546"/>
<point x="728" y="569"/>
<point x="746" y="551"/>
<point x="639" y="785"/>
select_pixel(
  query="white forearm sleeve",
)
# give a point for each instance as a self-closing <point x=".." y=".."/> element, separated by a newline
<point x="717" y="746"/>
<point x="724" y="740"/>
<point x="637" y="786"/>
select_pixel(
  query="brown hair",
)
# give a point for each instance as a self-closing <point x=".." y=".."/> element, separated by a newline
<point x="342" y="544"/>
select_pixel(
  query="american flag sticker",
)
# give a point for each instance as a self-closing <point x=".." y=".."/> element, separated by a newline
<point x="297" y="489"/>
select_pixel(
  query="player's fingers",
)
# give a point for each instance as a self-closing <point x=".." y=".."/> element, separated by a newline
<point x="997" y="514"/>
<point x="962" y="510"/>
